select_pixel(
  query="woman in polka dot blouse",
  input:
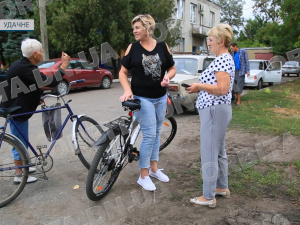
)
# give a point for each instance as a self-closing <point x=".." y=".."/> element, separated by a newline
<point x="214" y="106"/>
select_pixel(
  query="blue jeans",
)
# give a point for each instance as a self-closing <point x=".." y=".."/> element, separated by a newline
<point x="150" y="117"/>
<point x="23" y="126"/>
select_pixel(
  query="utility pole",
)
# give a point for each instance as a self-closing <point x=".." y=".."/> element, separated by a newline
<point x="43" y="28"/>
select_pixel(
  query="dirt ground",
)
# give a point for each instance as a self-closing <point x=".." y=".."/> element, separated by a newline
<point x="55" y="202"/>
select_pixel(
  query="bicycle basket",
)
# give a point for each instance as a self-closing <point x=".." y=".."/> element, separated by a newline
<point x="51" y="121"/>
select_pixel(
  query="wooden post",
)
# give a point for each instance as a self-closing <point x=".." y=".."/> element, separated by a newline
<point x="43" y="28"/>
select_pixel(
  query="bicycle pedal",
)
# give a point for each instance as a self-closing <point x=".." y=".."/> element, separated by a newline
<point x="134" y="156"/>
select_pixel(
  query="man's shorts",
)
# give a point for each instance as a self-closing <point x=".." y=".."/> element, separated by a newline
<point x="238" y="83"/>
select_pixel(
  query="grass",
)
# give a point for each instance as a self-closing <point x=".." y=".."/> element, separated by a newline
<point x="175" y="197"/>
<point x="267" y="180"/>
<point x="275" y="110"/>
<point x="262" y="179"/>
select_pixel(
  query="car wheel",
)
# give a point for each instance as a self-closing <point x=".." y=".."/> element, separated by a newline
<point x="106" y="82"/>
<point x="61" y="87"/>
<point x="260" y="84"/>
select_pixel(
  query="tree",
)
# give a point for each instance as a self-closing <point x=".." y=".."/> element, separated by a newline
<point x="250" y="28"/>
<point x="268" y="10"/>
<point x="291" y="21"/>
<point x="231" y="12"/>
<point x="10" y="47"/>
<point x="75" y="25"/>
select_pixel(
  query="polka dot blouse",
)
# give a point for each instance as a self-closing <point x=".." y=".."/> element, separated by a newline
<point x="224" y="63"/>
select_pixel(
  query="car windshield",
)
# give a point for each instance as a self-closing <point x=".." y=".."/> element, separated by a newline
<point x="186" y="66"/>
<point x="290" y="63"/>
<point x="256" y="65"/>
<point x="46" y="64"/>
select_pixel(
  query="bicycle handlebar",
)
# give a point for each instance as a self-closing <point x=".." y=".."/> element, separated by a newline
<point x="50" y="96"/>
<point x="60" y="96"/>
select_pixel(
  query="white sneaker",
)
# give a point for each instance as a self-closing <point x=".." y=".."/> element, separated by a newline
<point x="159" y="175"/>
<point x="32" y="169"/>
<point x="30" y="179"/>
<point x="146" y="183"/>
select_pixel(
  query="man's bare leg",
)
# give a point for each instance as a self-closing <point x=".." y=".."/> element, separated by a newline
<point x="239" y="96"/>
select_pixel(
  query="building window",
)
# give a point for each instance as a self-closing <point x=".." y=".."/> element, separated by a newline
<point x="201" y="23"/>
<point x="180" y="9"/>
<point x="193" y="8"/>
<point x="181" y="46"/>
<point x="212" y="19"/>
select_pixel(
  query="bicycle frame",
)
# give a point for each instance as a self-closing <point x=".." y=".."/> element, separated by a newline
<point x="71" y="116"/>
<point x="131" y="133"/>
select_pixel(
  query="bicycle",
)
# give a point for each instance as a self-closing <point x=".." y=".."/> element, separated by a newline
<point x="85" y="132"/>
<point x="116" y="150"/>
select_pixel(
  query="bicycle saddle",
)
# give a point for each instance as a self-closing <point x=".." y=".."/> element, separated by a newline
<point x="5" y="111"/>
<point x="132" y="105"/>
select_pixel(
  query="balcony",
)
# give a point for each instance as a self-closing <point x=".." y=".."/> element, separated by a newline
<point x="200" y="30"/>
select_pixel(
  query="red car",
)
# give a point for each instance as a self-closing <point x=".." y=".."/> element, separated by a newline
<point x="77" y="69"/>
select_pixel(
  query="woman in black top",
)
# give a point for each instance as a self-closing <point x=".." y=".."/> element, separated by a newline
<point x="27" y="93"/>
<point x="152" y="68"/>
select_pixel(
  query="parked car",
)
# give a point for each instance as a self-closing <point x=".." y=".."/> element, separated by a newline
<point x="77" y="69"/>
<point x="188" y="69"/>
<point x="291" y="67"/>
<point x="2" y="75"/>
<point x="261" y="72"/>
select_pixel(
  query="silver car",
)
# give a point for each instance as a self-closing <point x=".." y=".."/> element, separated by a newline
<point x="291" y="67"/>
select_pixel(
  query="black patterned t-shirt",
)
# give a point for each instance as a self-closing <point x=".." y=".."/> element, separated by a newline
<point x="148" y="69"/>
<point x="225" y="63"/>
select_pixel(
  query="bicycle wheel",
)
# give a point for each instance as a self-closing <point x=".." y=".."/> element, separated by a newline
<point x="168" y="132"/>
<point x="85" y="137"/>
<point x="8" y="189"/>
<point x="104" y="172"/>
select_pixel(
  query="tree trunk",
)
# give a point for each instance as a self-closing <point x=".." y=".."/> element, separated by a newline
<point x="2" y="58"/>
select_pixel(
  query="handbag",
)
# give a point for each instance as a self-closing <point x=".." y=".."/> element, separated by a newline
<point x="51" y="121"/>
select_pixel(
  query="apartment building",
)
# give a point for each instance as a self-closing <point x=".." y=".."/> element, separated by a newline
<point x="196" y="17"/>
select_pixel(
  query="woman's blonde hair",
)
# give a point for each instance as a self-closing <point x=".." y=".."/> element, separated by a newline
<point x="222" y="32"/>
<point x="147" y="22"/>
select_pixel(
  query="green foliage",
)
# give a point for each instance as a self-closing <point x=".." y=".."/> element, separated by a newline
<point x="265" y="179"/>
<point x="75" y="25"/>
<point x="268" y="10"/>
<point x="297" y="165"/>
<point x="12" y="47"/>
<point x="276" y="25"/>
<point x="231" y="12"/>
<point x="11" y="41"/>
